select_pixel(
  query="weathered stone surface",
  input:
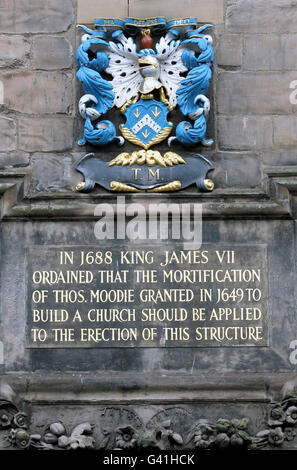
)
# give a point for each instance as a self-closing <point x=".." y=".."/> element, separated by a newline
<point x="45" y="134"/>
<point x="88" y="10"/>
<point x="7" y="134"/>
<point x="9" y="160"/>
<point x="229" y="50"/>
<point x="13" y="50"/>
<point x="73" y="385"/>
<point x="250" y="93"/>
<point x="270" y="52"/>
<point x="210" y="11"/>
<point x="280" y="157"/>
<point x="285" y="131"/>
<point x="244" y="133"/>
<point x="54" y="173"/>
<point x="37" y="92"/>
<point x="51" y="53"/>
<point x="278" y="235"/>
<point x="235" y="170"/>
<point x="261" y="16"/>
<point x="34" y="16"/>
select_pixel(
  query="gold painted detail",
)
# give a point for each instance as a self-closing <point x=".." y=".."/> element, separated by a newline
<point x="129" y="102"/>
<point x="128" y="135"/>
<point x="150" y="96"/>
<point x="122" y="187"/>
<point x="146" y="32"/>
<point x="209" y="184"/>
<point x="172" y="186"/>
<point x="156" y="113"/>
<point x="164" y="99"/>
<point x="80" y="186"/>
<point x="148" y="157"/>
<point x="146" y="134"/>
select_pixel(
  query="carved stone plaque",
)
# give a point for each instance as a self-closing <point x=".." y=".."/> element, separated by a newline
<point x="147" y="296"/>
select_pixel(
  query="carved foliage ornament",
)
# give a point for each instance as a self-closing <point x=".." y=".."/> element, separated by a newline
<point x="145" y="84"/>
<point x="170" y="428"/>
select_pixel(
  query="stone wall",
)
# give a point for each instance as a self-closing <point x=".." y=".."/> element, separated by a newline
<point x="254" y="126"/>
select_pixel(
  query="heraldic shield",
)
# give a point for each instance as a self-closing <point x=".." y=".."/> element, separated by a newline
<point x="146" y="123"/>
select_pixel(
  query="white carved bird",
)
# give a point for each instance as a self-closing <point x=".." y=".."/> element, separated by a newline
<point x="146" y="70"/>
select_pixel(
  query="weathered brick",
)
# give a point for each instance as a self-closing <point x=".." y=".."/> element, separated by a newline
<point x="35" y="16"/>
<point x="280" y="157"/>
<point x="270" y="52"/>
<point x="211" y="11"/>
<point x="11" y="160"/>
<point x="250" y="93"/>
<point x="89" y="10"/>
<point x="245" y="133"/>
<point x="7" y="134"/>
<point x="285" y="131"/>
<point x="228" y="52"/>
<point x="234" y="170"/>
<point x="45" y="134"/>
<point x="37" y="92"/>
<point x="261" y="16"/>
<point x="51" y="53"/>
<point x="13" y="50"/>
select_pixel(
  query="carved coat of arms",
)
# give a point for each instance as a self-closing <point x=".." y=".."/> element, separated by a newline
<point x="145" y="84"/>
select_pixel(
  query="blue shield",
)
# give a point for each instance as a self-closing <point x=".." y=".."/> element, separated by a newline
<point x="146" y="123"/>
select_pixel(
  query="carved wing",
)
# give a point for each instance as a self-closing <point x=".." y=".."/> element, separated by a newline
<point x="123" y="66"/>
<point x="197" y="81"/>
<point x="98" y="91"/>
<point x="169" y="54"/>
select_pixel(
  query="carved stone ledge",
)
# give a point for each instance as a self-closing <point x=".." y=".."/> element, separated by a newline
<point x="274" y="200"/>
<point x="173" y="427"/>
<point x="132" y="388"/>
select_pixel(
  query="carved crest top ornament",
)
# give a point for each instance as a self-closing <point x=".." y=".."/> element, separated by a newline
<point x="145" y="84"/>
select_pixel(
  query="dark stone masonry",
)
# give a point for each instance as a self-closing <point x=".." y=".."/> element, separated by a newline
<point x="152" y="342"/>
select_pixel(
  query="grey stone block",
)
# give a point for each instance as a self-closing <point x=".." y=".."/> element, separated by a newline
<point x="251" y="93"/>
<point x="261" y="16"/>
<point x="45" y="134"/>
<point x="244" y="133"/>
<point x="37" y="92"/>
<point x="7" y="134"/>
<point x="228" y="52"/>
<point x="54" y="173"/>
<point x="210" y="11"/>
<point x="50" y="53"/>
<point x="236" y="170"/>
<point x="34" y="16"/>
<point x="13" y="50"/>
<point x="281" y="157"/>
<point x="285" y="131"/>
<point x="88" y="10"/>
<point x="11" y="160"/>
<point x="270" y="52"/>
